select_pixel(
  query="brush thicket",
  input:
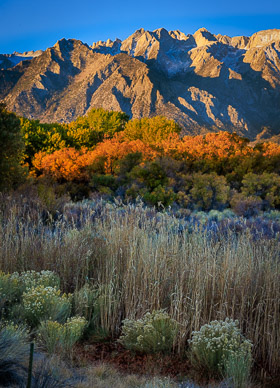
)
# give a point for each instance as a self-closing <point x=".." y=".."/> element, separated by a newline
<point x="141" y="260"/>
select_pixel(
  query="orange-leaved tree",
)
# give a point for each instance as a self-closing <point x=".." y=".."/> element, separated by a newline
<point x="66" y="164"/>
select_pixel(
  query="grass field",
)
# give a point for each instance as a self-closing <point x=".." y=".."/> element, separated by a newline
<point x="142" y="260"/>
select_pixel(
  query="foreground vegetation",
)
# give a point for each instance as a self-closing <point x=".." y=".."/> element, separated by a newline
<point x="124" y="261"/>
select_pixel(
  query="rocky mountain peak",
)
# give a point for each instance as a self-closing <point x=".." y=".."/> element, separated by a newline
<point x="68" y="44"/>
<point x="63" y="44"/>
<point x="203" y="81"/>
<point x="262" y="38"/>
<point x="176" y="34"/>
<point x="203" y="37"/>
<point x="240" y="42"/>
<point x="162" y="33"/>
<point x="108" y="47"/>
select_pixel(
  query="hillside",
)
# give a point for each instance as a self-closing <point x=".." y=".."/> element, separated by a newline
<point x="205" y="82"/>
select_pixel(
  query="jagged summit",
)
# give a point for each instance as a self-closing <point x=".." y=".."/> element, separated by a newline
<point x="203" y="37"/>
<point x="162" y="33"/>
<point x="262" y="38"/>
<point x="202" y="80"/>
<point x="68" y="44"/>
<point x="176" y="34"/>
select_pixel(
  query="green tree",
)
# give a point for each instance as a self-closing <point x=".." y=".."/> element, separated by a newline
<point x="160" y="196"/>
<point x="151" y="130"/>
<point x="265" y="186"/>
<point x="209" y="191"/>
<point x="151" y="175"/>
<point x="11" y="149"/>
<point x="91" y="129"/>
<point x="42" y="137"/>
<point x="125" y="165"/>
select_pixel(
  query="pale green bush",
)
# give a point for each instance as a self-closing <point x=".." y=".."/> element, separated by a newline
<point x="12" y="286"/>
<point x="9" y="291"/>
<point x="216" y="343"/>
<point x="155" y="332"/>
<point x="84" y="301"/>
<point x="273" y="215"/>
<point x="221" y="215"/>
<point x="41" y="303"/>
<point x="87" y="302"/>
<point x="29" y="279"/>
<point x="237" y="369"/>
<point x="57" y="337"/>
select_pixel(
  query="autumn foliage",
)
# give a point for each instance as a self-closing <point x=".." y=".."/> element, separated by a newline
<point x="65" y="164"/>
<point x="109" y="153"/>
<point x="213" y="147"/>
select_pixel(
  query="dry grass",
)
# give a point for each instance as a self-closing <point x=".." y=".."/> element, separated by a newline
<point x="103" y="376"/>
<point x="141" y="262"/>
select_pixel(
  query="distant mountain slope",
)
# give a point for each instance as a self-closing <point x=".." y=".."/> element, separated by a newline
<point x="205" y="82"/>
<point x="10" y="60"/>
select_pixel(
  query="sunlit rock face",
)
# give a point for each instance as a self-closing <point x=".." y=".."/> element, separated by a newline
<point x="203" y="81"/>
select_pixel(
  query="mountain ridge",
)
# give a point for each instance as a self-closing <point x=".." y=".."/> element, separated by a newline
<point x="205" y="82"/>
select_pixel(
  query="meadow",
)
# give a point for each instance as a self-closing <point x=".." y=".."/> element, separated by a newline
<point x="197" y="267"/>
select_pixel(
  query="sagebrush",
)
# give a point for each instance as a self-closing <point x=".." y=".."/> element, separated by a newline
<point x="141" y="260"/>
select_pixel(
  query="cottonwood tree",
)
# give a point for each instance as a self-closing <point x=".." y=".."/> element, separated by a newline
<point x="11" y="149"/>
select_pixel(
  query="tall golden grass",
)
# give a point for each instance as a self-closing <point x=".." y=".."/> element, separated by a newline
<point x="140" y="262"/>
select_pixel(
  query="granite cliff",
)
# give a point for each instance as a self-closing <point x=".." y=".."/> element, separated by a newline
<point x="205" y="82"/>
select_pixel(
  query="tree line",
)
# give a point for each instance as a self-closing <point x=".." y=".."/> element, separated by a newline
<point x="107" y="153"/>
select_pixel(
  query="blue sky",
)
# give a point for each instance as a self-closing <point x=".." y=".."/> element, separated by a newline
<point x="34" y="24"/>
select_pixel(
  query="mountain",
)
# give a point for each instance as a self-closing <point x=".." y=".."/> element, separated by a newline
<point x="8" y="61"/>
<point x="205" y="82"/>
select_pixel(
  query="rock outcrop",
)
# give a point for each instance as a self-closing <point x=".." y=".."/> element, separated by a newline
<point x="205" y="82"/>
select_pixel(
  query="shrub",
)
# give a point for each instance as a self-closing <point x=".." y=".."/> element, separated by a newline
<point x="29" y="279"/>
<point x="160" y="197"/>
<point x="67" y="164"/>
<point x="12" y="287"/>
<point x="100" y="182"/>
<point x="14" y="350"/>
<point x="12" y="146"/>
<point x="219" y="216"/>
<point x="86" y="303"/>
<point x="61" y="337"/>
<point x="151" y="175"/>
<point x="237" y="369"/>
<point x="209" y="191"/>
<point x="131" y="160"/>
<point x="41" y="303"/>
<point x="273" y="215"/>
<point x="217" y="344"/>
<point x="246" y="206"/>
<point x="52" y="372"/>
<point x="155" y="332"/>
<point x="265" y="186"/>
<point x="145" y="258"/>
<point x="9" y="291"/>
